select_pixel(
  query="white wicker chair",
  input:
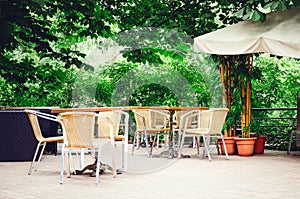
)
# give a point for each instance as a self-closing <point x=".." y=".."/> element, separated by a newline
<point x="179" y="120"/>
<point x="42" y="141"/>
<point x="146" y="126"/>
<point x="104" y="130"/>
<point x="209" y="123"/>
<point x="78" y="131"/>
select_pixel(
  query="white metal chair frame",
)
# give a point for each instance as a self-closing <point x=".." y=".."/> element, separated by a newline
<point x="180" y="122"/>
<point x="66" y="147"/>
<point x="117" y="119"/>
<point x="148" y="129"/>
<point x="125" y="140"/>
<point x="212" y="129"/>
<point x="33" y="117"/>
<point x="159" y="119"/>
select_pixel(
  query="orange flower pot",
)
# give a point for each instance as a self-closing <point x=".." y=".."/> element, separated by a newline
<point x="259" y="146"/>
<point x="230" y="145"/>
<point x="245" y="146"/>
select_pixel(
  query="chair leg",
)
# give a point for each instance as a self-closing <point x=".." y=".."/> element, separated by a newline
<point x="181" y="145"/>
<point x="178" y="140"/>
<point x="98" y="165"/>
<point x="40" y="157"/>
<point x="34" y="157"/>
<point x="72" y="161"/>
<point x="167" y="141"/>
<point x="114" y="170"/>
<point x="194" y="142"/>
<point x="138" y="140"/>
<point x="197" y="144"/>
<point x="225" y="148"/>
<point x="133" y="143"/>
<point x="147" y="145"/>
<point x="123" y="156"/>
<point x="152" y="145"/>
<point x="62" y="164"/>
<point x="173" y="140"/>
<point x="206" y="147"/>
<point x="81" y="158"/>
<point x="67" y="164"/>
<point x="217" y="147"/>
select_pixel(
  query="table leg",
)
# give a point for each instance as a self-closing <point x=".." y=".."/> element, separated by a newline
<point x="81" y="158"/>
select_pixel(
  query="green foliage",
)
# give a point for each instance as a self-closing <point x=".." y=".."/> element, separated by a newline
<point x="237" y="75"/>
<point x="275" y="85"/>
<point x="256" y="9"/>
<point x="151" y="85"/>
<point x="40" y="46"/>
<point x="276" y="82"/>
<point x="42" y="53"/>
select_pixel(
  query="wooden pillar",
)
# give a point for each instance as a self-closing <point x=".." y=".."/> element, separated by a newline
<point x="224" y="81"/>
<point x="243" y="100"/>
<point x="222" y="71"/>
<point x="248" y="96"/>
<point x="228" y="85"/>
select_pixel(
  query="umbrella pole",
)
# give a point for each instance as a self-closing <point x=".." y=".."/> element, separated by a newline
<point x="248" y="96"/>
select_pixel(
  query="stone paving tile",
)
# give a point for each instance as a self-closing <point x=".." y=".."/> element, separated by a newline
<point x="271" y="175"/>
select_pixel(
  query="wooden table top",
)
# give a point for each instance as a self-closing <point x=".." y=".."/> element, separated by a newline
<point x="125" y="108"/>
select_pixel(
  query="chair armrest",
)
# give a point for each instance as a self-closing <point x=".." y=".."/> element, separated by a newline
<point x="43" y="115"/>
<point x="188" y="116"/>
<point x="126" y="122"/>
<point x="111" y="129"/>
<point x="143" y="118"/>
<point x="161" y="112"/>
<point x="164" y="114"/>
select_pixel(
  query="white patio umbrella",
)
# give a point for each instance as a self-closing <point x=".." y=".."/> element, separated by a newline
<point x="279" y="35"/>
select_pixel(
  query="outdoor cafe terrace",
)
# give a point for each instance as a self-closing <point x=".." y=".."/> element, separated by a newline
<point x="273" y="174"/>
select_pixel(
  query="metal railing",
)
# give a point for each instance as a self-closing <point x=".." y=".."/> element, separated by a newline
<point x="277" y="126"/>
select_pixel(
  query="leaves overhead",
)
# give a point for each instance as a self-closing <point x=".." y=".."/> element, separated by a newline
<point x="41" y="37"/>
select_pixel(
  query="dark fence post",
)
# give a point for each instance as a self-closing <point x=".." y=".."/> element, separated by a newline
<point x="298" y="120"/>
<point x="298" y="112"/>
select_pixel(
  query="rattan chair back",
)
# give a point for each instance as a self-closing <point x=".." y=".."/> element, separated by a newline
<point x="79" y="129"/>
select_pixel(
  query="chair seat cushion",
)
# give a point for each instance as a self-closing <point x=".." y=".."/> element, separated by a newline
<point x="197" y="131"/>
<point x="53" y="139"/>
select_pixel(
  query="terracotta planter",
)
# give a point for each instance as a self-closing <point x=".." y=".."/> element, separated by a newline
<point x="245" y="146"/>
<point x="259" y="146"/>
<point x="230" y="145"/>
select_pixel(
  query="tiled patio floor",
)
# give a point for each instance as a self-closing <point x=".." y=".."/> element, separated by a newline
<point x="271" y="175"/>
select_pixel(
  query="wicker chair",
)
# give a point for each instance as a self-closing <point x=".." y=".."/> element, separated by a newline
<point x="178" y="123"/>
<point x="104" y="130"/>
<point x="33" y="118"/>
<point x="209" y="123"/>
<point x="146" y="126"/>
<point x="78" y="131"/>
<point x="159" y="119"/>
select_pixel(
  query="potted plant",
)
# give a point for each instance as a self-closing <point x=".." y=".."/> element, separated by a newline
<point x="259" y="146"/>
<point x="260" y="139"/>
<point x="245" y="144"/>
<point x="230" y="145"/>
<point x="236" y="74"/>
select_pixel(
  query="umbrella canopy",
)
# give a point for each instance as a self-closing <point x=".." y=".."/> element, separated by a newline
<point x="278" y="35"/>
